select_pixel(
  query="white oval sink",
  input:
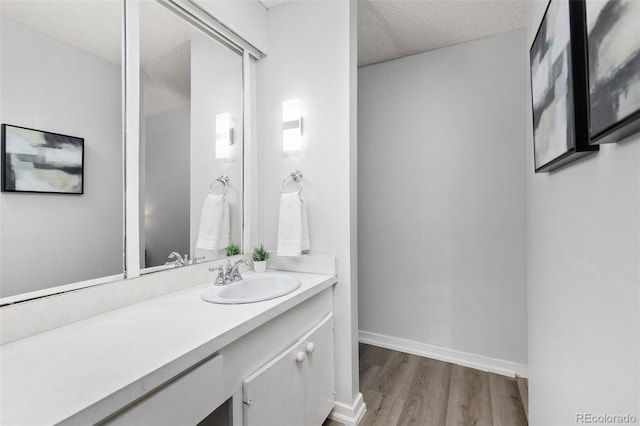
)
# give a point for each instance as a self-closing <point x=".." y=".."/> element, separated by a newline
<point x="252" y="288"/>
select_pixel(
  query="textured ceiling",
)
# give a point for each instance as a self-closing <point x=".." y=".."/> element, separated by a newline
<point x="390" y="29"/>
<point x="387" y="29"/>
<point x="95" y="27"/>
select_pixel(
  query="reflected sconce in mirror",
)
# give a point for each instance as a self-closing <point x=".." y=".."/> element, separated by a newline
<point x="224" y="135"/>
<point x="291" y="126"/>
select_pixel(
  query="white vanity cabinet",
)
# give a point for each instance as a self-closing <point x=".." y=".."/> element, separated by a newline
<point x="140" y="366"/>
<point x="296" y="387"/>
<point x="186" y="400"/>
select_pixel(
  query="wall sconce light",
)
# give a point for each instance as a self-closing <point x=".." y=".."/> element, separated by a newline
<point x="291" y="125"/>
<point x="224" y="135"/>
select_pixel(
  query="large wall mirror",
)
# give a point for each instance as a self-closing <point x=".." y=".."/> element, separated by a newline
<point x="191" y="142"/>
<point x="61" y="74"/>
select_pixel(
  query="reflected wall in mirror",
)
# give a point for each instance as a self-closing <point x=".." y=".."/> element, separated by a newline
<point x="191" y="134"/>
<point x="61" y="72"/>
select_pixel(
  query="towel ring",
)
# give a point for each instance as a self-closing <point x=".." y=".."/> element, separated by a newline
<point x="296" y="176"/>
<point x="223" y="180"/>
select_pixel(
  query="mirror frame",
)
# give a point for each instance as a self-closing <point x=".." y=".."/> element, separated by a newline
<point x="204" y="21"/>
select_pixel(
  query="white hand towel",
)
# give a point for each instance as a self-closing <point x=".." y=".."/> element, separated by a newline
<point x="214" y="224"/>
<point x="293" y="226"/>
<point x="306" y="243"/>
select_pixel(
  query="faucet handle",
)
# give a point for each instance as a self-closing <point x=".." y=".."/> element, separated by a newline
<point x="220" y="279"/>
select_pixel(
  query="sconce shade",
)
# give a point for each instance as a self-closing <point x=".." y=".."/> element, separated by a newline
<point x="224" y="135"/>
<point x="291" y="125"/>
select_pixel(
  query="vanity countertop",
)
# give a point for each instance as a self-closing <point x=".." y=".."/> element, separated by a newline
<point x="84" y="371"/>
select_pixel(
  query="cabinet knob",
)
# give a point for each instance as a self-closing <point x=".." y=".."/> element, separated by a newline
<point x="310" y="347"/>
<point x="300" y="357"/>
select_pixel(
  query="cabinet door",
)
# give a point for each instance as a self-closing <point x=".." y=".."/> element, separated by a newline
<point x="318" y="367"/>
<point x="296" y="388"/>
<point x="273" y="395"/>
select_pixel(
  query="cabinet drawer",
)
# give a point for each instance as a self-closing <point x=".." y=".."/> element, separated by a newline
<point x="184" y="401"/>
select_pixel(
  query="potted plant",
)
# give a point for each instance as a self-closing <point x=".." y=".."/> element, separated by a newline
<point x="232" y="250"/>
<point x="260" y="256"/>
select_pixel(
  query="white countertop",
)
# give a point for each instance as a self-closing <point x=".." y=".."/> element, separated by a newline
<point x="82" y="372"/>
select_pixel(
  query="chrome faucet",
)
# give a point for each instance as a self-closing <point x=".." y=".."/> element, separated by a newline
<point x="231" y="273"/>
<point x="220" y="279"/>
<point x="179" y="260"/>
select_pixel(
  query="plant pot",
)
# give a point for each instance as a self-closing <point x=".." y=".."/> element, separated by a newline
<point x="260" y="266"/>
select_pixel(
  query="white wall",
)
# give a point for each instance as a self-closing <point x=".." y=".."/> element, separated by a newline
<point x="442" y="200"/>
<point x="584" y="283"/>
<point x="50" y="86"/>
<point x="317" y="66"/>
<point x="166" y="210"/>
<point x="216" y="88"/>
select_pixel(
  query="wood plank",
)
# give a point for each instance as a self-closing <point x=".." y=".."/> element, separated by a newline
<point x="428" y="396"/>
<point x="404" y="374"/>
<point x="384" y="380"/>
<point x="382" y="410"/>
<point x="368" y="377"/>
<point x="469" y="398"/>
<point x="523" y="387"/>
<point x="506" y="404"/>
<point x="395" y="376"/>
<point x="373" y="401"/>
<point x="374" y="355"/>
<point x="403" y="389"/>
<point x="363" y="356"/>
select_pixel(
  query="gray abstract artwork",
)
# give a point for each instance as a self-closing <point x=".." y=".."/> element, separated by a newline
<point x="36" y="161"/>
<point x="613" y="39"/>
<point x="551" y="86"/>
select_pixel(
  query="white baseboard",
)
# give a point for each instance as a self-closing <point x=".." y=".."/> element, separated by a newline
<point x="349" y="415"/>
<point x="466" y="359"/>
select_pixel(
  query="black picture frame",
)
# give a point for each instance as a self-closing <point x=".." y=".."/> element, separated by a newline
<point x="36" y="161"/>
<point x="612" y="74"/>
<point x="559" y="87"/>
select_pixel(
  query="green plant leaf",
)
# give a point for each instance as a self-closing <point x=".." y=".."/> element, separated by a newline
<point x="232" y="249"/>
<point x="260" y="254"/>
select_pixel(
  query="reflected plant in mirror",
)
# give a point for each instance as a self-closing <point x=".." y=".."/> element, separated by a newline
<point x="191" y="90"/>
<point x="232" y="249"/>
<point x="61" y="73"/>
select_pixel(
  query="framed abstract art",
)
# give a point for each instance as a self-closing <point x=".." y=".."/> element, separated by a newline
<point x="39" y="161"/>
<point x="613" y="59"/>
<point x="558" y="87"/>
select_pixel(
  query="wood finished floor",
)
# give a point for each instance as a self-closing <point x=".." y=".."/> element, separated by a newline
<point x="404" y="389"/>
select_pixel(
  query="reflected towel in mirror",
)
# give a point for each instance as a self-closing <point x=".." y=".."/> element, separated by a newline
<point x="214" y="223"/>
<point x="293" y="226"/>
